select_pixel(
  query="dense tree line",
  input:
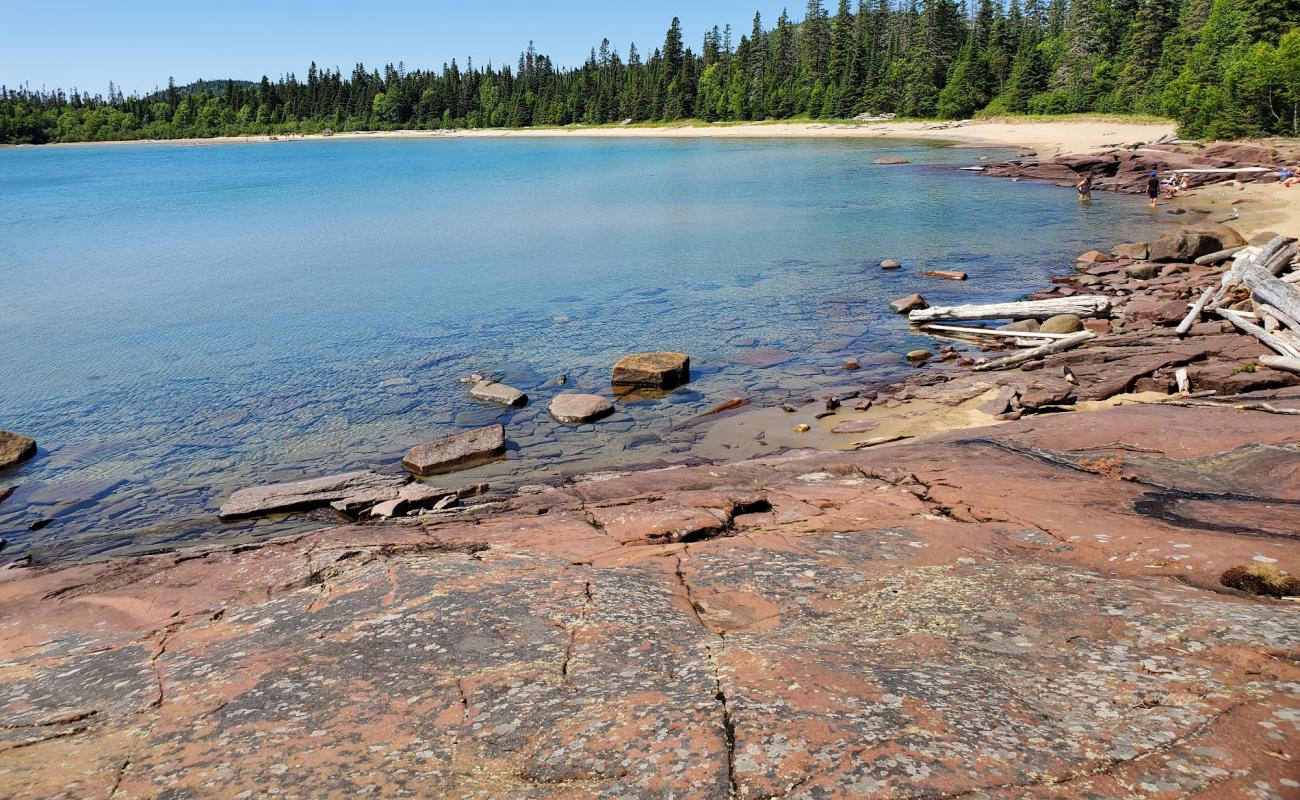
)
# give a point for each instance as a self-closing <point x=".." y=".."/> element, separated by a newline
<point x="1222" y="68"/>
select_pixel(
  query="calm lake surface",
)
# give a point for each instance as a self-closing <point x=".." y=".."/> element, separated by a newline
<point x="180" y="321"/>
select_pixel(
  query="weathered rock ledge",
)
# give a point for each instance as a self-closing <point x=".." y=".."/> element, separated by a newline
<point x="1025" y="611"/>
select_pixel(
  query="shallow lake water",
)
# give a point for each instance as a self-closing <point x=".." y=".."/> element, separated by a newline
<point x="183" y="320"/>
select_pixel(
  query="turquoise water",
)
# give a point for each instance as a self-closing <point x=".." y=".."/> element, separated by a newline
<point x="182" y="320"/>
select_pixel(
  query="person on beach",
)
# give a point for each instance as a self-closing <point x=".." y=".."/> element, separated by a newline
<point x="1185" y="185"/>
<point x="1085" y="188"/>
<point x="1153" y="188"/>
<point x="1287" y="176"/>
<point x="1170" y="186"/>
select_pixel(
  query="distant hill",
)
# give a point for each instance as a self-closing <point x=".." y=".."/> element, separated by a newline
<point x="202" y="87"/>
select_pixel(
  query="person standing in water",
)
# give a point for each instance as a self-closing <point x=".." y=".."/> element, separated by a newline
<point x="1085" y="188"/>
<point x="1153" y="188"/>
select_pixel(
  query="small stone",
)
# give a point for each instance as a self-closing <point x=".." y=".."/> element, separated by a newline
<point x="802" y="427"/>
<point x="912" y="302"/>
<point x="890" y="263"/>
<point x="1061" y="323"/>
<point x="852" y="365"/>
<point x="579" y="408"/>
<point x="919" y="356"/>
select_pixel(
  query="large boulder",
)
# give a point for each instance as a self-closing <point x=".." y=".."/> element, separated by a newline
<point x="652" y="370"/>
<point x="299" y="495"/>
<point x="456" y="452"/>
<point x="577" y="409"/>
<point x="1190" y="242"/>
<point x="493" y="392"/>
<point x="15" y="448"/>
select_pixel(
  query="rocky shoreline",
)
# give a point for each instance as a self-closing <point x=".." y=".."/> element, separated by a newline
<point x="987" y="595"/>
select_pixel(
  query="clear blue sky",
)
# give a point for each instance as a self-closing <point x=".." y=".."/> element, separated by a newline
<point x="138" y="43"/>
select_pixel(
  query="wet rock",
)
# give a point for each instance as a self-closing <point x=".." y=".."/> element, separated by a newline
<point x="15" y="449"/>
<point x="890" y="263"/>
<point x="890" y="160"/>
<point x="1134" y="250"/>
<point x="652" y="370"/>
<point x="492" y="392"/>
<point x="1062" y="323"/>
<point x="918" y="356"/>
<point x="852" y="365"/>
<point x="579" y="408"/>
<point x="912" y="302"/>
<point x="456" y="451"/>
<point x="6" y="492"/>
<point x="299" y="495"/>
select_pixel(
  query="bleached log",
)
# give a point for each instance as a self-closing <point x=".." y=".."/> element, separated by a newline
<point x="1082" y="306"/>
<point x="938" y="326"/>
<point x="1058" y="346"/>
<point x="1281" y="362"/>
<point x="1221" y="255"/>
<point x="1291" y="277"/>
<point x="1184" y="383"/>
<point x="1268" y="290"/>
<point x="1251" y="329"/>
<point x="1195" y="313"/>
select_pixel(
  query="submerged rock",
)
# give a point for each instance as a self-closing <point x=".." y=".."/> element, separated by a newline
<point x="493" y="392"/>
<point x="299" y="495"/>
<point x="917" y="356"/>
<point x="890" y="263"/>
<point x="456" y="451"/>
<point x="579" y="408"/>
<point x="15" y="449"/>
<point x="652" y="370"/>
<point x="890" y="160"/>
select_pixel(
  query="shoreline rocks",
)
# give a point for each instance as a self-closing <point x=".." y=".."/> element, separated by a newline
<point x="456" y="451"/>
<point x="15" y="449"/>
<point x="579" y="409"/>
<point x="664" y="370"/>
<point x="306" y="494"/>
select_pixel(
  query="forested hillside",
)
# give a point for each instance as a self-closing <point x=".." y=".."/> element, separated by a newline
<point x="1222" y="68"/>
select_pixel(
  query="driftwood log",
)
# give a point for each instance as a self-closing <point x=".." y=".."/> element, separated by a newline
<point x="944" y="274"/>
<point x="1281" y="362"/>
<point x="1058" y="346"/>
<point x="1221" y="255"/>
<point x="1270" y="340"/>
<point x="1082" y="306"/>
<point x="1195" y="313"/>
<point x="973" y="331"/>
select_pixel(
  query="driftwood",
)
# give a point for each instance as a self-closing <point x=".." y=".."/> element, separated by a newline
<point x="1267" y="290"/>
<point x="1184" y="384"/>
<point x="1237" y="406"/>
<point x="1081" y="306"/>
<point x="1281" y="362"/>
<point x="1195" y="313"/>
<point x="1221" y="255"/>
<point x="1058" y="346"/>
<point x="936" y="326"/>
<point x="1259" y="333"/>
<point x="946" y="275"/>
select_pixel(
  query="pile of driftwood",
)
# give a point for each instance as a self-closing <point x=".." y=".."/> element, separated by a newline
<point x="1267" y="276"/>
<point x="1039" y="343"/>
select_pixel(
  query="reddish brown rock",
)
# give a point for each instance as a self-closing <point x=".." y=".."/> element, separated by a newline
<point x="15" y="449"/>
<point x="652" y="370"/>
<point x="1094" y="257"/>
<point x="456" y="451"/>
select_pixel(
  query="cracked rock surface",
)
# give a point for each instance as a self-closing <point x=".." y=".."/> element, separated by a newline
<point x="1026" y="611"/>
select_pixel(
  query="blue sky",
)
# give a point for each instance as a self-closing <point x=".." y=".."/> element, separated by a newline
<point x="139" y="43"/>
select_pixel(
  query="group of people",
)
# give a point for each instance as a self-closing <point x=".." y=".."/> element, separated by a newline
<point x="1172" y="187"/>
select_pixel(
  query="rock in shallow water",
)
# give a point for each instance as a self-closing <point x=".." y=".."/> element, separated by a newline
<point x="15" y="448"/>
<point x="652" y="370"/>
<point x="579" y="408"/>
<point x="910" y="303"/>
<point x="310" y="493"/>
<point x="456" y="451"/>
<point x="493" y="392"/>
